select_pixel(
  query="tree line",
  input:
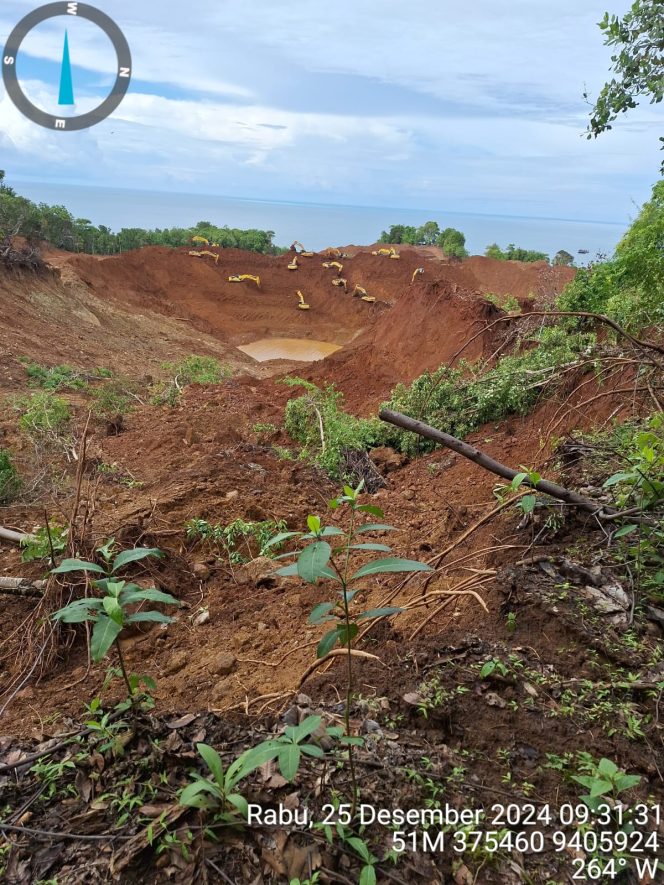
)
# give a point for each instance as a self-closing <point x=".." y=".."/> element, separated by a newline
<point x="57" y="226"/>
<point x="453" y="244"/>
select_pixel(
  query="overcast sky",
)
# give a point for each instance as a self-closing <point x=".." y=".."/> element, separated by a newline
<point x="473" y="107"/>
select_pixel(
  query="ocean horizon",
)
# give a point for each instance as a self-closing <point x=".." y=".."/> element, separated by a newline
<point x="319" y="225"/>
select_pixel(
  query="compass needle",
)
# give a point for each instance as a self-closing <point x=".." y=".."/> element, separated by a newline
<point x="66" y="82"/>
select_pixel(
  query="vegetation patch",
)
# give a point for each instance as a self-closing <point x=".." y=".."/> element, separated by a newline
<point x="10" y="481"/>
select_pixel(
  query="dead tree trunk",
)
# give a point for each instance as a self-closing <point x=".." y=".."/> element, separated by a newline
<point x="478" y="457"/>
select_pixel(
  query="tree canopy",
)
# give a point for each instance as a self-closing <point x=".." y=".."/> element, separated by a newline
<point x="638" y="63"/>
<point x="56" y="225"/>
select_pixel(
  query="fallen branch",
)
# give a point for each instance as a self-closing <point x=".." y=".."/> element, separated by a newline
<point x="476" y="456"/>
<point x="335" y="653"/>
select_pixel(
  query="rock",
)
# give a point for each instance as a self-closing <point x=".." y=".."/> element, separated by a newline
<point x="259" y="571"/>
<point x="370" y="726"/>
<point x="256" y="513"/>
<point x="178" y="662"/>
<point x="292" y="716"/>
<point x="494" y="700"/>
<point x="220" y="691"/>
<point x="303" y="700"/>
<point x="232" y="496"/>
<point x="409" y="494"/>
<point x="223" y="664"/>
<point x="261" y="627"/>
<point x="387" y="459"/>
<point x="201" y="571"/>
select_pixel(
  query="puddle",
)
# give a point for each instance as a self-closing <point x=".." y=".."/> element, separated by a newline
<point x="302" y="349"/>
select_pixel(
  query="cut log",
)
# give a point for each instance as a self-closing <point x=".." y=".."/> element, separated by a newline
<point x="22" y="587"/>
<point x="478" y="457"/>
<point x="9" y="535"/>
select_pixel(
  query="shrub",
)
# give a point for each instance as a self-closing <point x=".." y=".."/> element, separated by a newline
<point x="111" y="401"/>
<point x="240" y="541"/>
<point x="455" y="403"/>
<point x="55" y="377"/>
<point x="629" y="288"/>
<point x="43" y="414"/>
<point x="325" y="432"/>
<point x="191" y="370"/>
<point x="10" y="482"/>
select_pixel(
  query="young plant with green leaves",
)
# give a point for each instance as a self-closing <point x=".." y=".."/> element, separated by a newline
<point x="113" y="610"/>
<point x="219" y="792"/>
<point x="10" y="482"/>
<point x="46" y="543"/>
<point x="604" y="779"/>
<point x="320" y="560"/>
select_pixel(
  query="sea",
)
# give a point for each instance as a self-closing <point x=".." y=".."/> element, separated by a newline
<point x="318" y="225"/>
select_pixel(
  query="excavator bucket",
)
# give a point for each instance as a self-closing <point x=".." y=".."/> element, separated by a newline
<point x="307" y="254"/>
<point x="340" y="281"/>
<point x="368" y="298"/>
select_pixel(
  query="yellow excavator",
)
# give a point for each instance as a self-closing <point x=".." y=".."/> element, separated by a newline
<point x="388" y="253"/>
<point x="416" y="272"/>
<point x="200" y="240"/>
<point x="340" y="281"/>
<point x="303" y="304"/>
<point x="213" y="255"/>
<point x="331" y="252"/>
<point x="293" y="265"/>
<point x="336" y="264"/>
<point x="359" y="290"/>
<point x="239" y="278"/>
<point x="302" y="251"/>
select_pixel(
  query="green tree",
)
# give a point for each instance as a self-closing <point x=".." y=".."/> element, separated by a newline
<point x="563" y="258"/>
<point x="638" y="63"/>
<point x="428" y="233"/>
<point x="453" y="243"/>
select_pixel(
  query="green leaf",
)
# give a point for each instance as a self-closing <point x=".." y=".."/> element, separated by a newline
<point x="312" y="562"/>
<point x="599" y="788"/>
<point x="327" y="532"/>
<point x="349" y="741"/>
<point x="372" y="509"/>
<point x="280" y="538"/>
<point x="312" y="750"/>
<point x="314" y="524"/>
<point x="78" y="612"/>
<point x="289" y="761"/>
<point x="625" y="530"/>
<point x="527" y="503"/>
<point x="104" y="634"/>
<point x="321" y="612"/>
<point x="518" y="480"/>
<point x="391" y="564"/>
<point x="627" y="781"/>
<point x="368" y="875"/>
<point x="238" y="801"/>
<point x="193" y="795"/>
<point x="134" y="555"/>
<point x="250" y="760"/>
<point x="144" y="617"/>
<point x="347" y="632"/>
<point x="77" y="565"/>
<point x="381" y="548"/>
<point x="305" y="728"/>
<point x="149" y="595"/>
<point x="378" y="613"/>
<point x="375" y="527"/>
<point x="213" y="761"/>
<point x="287" y="571"/>
<point x="618" y="477"/>
<point x="607" y="767"/>
<point x="113" y="609"/>
<point x="327" y="643"/>
<point x="360" y="847"/>
<point x="487" y="669"/>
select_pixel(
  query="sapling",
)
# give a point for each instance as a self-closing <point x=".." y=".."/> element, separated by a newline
<point x="321" y="561"/>
<point x="110" y="611"/>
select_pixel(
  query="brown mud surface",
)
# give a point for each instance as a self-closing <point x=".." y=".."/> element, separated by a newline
<point x="234" y="656"/>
